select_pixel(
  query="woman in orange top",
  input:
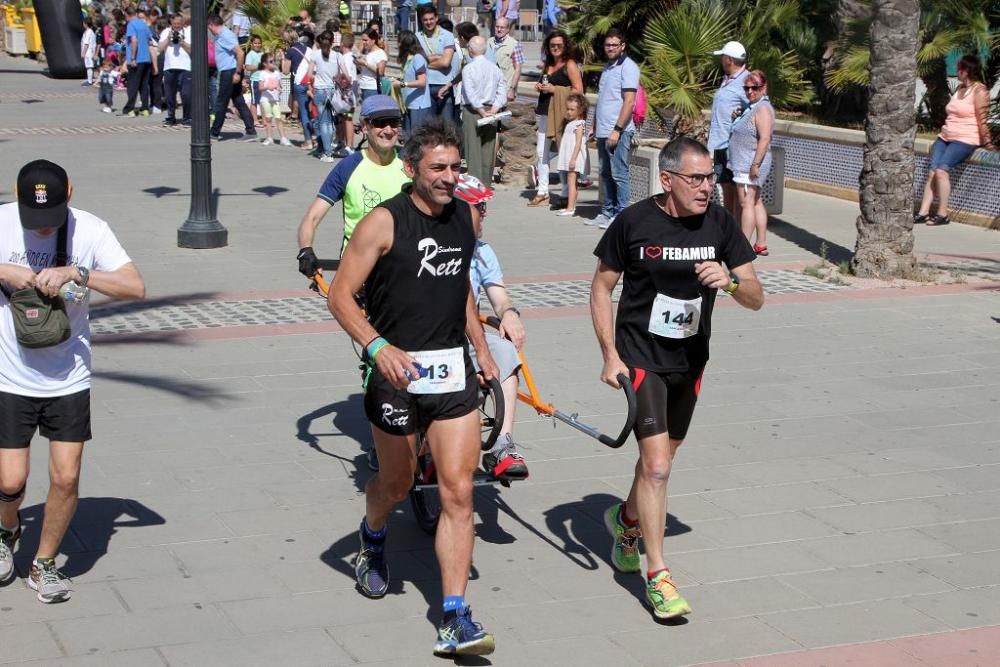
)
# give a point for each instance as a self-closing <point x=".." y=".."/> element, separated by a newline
<point x="964" y="130"/>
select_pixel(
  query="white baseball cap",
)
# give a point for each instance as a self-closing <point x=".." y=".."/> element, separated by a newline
<point x="733" y="50"/>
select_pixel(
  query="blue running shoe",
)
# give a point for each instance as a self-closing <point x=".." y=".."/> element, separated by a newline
<point x="460" y="635"/>
<point x="370" y="568"/>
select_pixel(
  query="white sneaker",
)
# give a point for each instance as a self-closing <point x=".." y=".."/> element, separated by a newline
<point x="285" y="142"/>
<point x="328" y="158"/>
<point x="156" y="110"/>
<point x="601" y="221"/>
<point x="266" y="142"/>
<point x="604" y="224"/>
<point x="106" y="109"/>
<point x="567" y="212"/>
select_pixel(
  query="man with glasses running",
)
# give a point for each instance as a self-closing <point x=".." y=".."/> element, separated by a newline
<point x="676" y="251"/>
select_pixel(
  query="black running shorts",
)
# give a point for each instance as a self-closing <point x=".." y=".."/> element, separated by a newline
<point x="398" y="412"/>
<point x="665" y="402"/>
<point x="61" y="418"/>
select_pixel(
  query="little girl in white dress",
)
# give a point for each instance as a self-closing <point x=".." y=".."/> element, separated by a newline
<point x="574" y="159"/>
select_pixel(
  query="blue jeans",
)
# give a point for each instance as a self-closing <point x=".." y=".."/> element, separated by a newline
<point x="213" y="88"/>
<point x="300" y="93"/>
<point x="174" y="81"/>
<point x="402" y="19"/>
<point x="413" y="119"/>
<point x="442" y="107"/>
<point x="321" y="96"/>
<point x="946" y="155"/>
<point x="365" y="93"/>
<point x="614" y="174"/>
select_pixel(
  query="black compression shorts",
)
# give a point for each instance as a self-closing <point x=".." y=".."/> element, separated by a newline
<point x="665" y="401"/>
<point x="398" y="412"/>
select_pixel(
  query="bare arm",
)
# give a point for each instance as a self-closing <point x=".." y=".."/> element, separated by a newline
<point x="311" y="220"/>
<point x="240" y="57"/>
<point x="577" y="146"/>
<point x="576" y="78"/>
<point x="605" y="279"/>
<point x="516" y="79"/>
<point x="716" y="276"/>
<point x="474" y="330"/>
<point x="628" y="106"/>
<point x="442" y="61"/>
<point x="122" y="283"/>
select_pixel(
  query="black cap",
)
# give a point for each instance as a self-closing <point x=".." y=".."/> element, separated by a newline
<point x="43" y="191"/>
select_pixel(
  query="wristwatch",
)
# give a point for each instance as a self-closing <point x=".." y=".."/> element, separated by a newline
<point x="734" y="284"/>
<point x="84" y="275"/>
<point x="618" y="129"/>
<point x="512" y="309"/>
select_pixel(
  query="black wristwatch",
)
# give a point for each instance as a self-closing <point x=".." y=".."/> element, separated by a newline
<point x="84" y="275"/>
<point x="619" y="129"/>
<point x="512" y="309"/>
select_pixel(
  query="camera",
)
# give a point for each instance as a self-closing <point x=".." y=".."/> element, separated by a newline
<point x="175" y="37"/>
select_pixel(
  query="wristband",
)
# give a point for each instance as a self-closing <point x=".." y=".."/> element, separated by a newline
<point x="618" y="129"/>
<point x="373" y="347"/>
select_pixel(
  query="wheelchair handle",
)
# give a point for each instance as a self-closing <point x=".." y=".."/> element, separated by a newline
<point x="626" y="385"/>
<point x="497" y="391"/>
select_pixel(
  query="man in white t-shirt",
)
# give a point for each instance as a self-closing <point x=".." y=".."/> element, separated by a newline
<point x="175" y="45"/>
<point x="48" y="388"/>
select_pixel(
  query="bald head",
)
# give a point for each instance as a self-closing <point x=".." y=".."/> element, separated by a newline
<point x="477" y="46"/>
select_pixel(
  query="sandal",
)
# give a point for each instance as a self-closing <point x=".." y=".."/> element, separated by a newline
<point x="937" y="221"/>
<point x="538" y="200"/>
<point x="760" y="249"/>
<point x="920" y="218"/>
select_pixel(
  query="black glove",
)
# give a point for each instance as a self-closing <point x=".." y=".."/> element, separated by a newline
<point x="308" y="264"/>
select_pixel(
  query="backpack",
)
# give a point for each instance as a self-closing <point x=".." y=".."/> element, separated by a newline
<point x="641" y="104"/>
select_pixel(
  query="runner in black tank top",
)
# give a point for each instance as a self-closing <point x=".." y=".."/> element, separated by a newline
<point x="413" y="254"/>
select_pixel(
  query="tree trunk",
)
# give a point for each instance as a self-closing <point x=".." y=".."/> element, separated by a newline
<point x="938" y="94"/>
<point x="884" y="247"/>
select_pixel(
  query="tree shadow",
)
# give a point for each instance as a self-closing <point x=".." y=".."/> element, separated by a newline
<point x="808" y="241"/>
<point x="349" y="423"/>
<point x="96" y="521"/>
<point x="196" y="391"/>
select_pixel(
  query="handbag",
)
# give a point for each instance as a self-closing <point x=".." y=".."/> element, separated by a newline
<point x="40" y="320"/>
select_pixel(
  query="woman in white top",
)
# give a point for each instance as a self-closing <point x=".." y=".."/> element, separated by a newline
<point x="371" y="63"/>
<point x="324" y="66"/>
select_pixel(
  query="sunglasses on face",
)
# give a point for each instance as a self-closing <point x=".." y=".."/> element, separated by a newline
<point x="382" y="123"/>
<point x="612" y="45"/>
<point x="556" y="45"/>
<point x="747" y="89"/>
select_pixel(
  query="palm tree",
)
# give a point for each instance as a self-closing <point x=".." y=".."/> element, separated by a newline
<point x="270" y="18"/>
<point x="884" y="246"/>
<point x="588" y="21"/>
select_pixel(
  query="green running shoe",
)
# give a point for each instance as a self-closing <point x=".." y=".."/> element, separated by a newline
<point x="625" y="550"/>
<point x="662" y="596"/>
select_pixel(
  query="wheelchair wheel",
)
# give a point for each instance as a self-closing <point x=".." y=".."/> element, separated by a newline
<point x="491" y="411"/>
<point x="424" y="496"/>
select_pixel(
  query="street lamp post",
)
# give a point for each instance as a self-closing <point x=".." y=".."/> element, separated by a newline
<point x="201" y="229"/>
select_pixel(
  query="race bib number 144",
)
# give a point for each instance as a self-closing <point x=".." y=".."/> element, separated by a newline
<point x="675" y="318"/>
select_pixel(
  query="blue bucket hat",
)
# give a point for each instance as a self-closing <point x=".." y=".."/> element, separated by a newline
<point x="377" y="107"/>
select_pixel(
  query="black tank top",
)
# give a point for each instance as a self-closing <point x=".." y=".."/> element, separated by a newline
<point x="417" y="291"/>
<point x="558" y="78"/>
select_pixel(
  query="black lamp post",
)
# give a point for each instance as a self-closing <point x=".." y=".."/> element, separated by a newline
<point x="201" y="229"/>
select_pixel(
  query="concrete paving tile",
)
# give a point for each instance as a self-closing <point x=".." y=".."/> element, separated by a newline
<point x="336" y="517"/>
<point x="309" y="610"/>
<point x="696" y="480"/>
<point x="30" y="642"/>
<point x="697" y="642"/>
<point x="793" y="470"/>
<point x="178" y="590"/>
<point x="302" y="648"/>
<point x="963" y="570"/>
<point x="882" y="515"/>
<point x="878" y="547"/>
<point x="190" y="527"/>
<point x="872" y="654"/>
<point x="962" y="648"/>
<point x="969" y="506"/>
<point x="893" y="487"/>
<point x="745" y="531"/>
<point x="748" y="562"/>
<point x="176" y="625"/>
<point x="592" y="650"/>
<point x="124" y="563"/>
<point x="973" y="478"/>
<point x="412" y="640"/>
<point x="19" y="605"/>
<point x="846" y="624"/>
<point x="969" y="608"/>
<point x="971" y="536"/>
<point x="261" y="475"/>
<point x="868" y="582"/>
<point x="211" y="555"/>
<point x="558" y="620"/>
<point x="775" y="498"/>
<point x="143" y="657"/>
<point x="750" y="597"/>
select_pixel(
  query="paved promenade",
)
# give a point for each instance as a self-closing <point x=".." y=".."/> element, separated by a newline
<point x="837" y="501"/>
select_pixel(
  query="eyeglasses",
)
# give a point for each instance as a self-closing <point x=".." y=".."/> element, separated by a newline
<point x="747" y="89"/>
<point x="381" y="123"/>
<point x="694" y="180"/>
<point x="613" y="45"/>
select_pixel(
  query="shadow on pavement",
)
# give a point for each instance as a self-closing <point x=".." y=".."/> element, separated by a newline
<point x="808" y="241"/>
<point x="96" y="521"/>
<point x="109" y="308"/>
<point x="349" y="423"/>
<point x="196" y="391"/>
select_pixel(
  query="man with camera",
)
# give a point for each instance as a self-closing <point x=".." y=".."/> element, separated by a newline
<point x="175" y="44"/>
<point x="53" y="255"/>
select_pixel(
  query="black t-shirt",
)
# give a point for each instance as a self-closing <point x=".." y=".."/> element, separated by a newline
<point x="417" y="291"/>
<point x="657" y="253"/>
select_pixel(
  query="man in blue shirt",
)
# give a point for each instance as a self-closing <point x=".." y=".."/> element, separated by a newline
<point x="229" y="63"/>
<point x="550" y="16"/>
<point x="613" y="126"/>
<point x="138" y="61"/>
<point x="439" y="47"/>
<point x="728" y="102"/>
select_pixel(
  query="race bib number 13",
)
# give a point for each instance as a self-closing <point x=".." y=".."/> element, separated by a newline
<point x="675" y="318"/>
<point x="441" y="371"/>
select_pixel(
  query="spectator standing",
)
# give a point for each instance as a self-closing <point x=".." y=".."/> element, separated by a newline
<point x="138" y="62"/>
<point x="88" y="49"/>
<point x="509" y="9"/>
<point x="508" y="54"/>
<point x="270" y="100"/>
<point x="550" y="16"/>
<point x="403" y="9"/>
<point x="295" y="54"/>
<point x="483" y="95"/>
<point x="613" y="125"/>
<point x="728" y="102"/>
<point x="251" y="64"/>
<point x="561" y="76"/>
<point x="370" y="64"/>
<point x="487" y="10"/>
<point x="175" y="44"/>
<point x="412" y="83"/>
<point x="439" y="48"/>
<point x="324" y="68"/>
<point x="347" y="89"/>
<point x="241" y="25"/>
<point x="229" y="62"/>
<point x="750" y="158"/>
<point x="52" y="252"/>
<point x="574" y="160"/>
<point x="964" y="130"/>
<point x="156" y="26"/>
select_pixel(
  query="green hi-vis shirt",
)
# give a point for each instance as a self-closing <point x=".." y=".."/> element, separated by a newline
<point x="363" y="185"/>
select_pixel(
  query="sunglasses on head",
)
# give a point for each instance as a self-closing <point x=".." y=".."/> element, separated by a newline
<point x="380" y="123"/>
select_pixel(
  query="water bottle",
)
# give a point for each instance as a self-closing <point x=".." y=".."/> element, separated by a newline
<point x="73" y="294"/>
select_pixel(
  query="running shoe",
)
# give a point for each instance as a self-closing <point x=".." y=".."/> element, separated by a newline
<point x="131" y="114"/>
<point x="460" y="635"/>
<point x="606" y="222"/>
<point x="370" y="568"/>
<point x="8" y="539"/>
<point x="285" y="142"/>
<point x="601" y="221"/>
<point x="250" y="137"/>
<point x="145" y="112"/>
<point x="662" y="596"/>
<point x="625" y="550"/>
<point x="106" y="109"/>
<point x="50" y="584"/>
<point x="327" y="158"/>
<point x="266" y="142"/>
<point x="504" y="461"/>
